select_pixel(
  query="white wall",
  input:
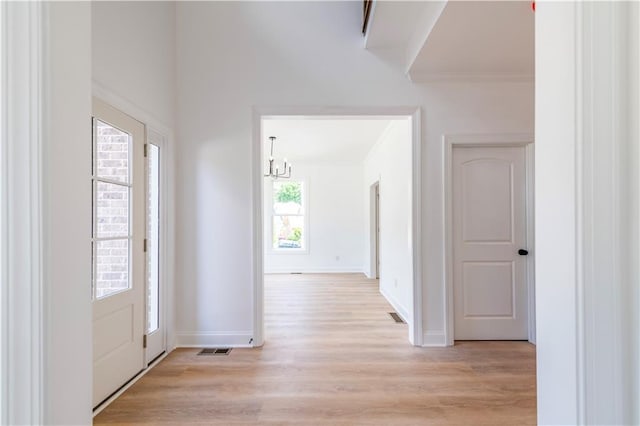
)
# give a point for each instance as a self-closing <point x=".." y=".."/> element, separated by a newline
<point x="555" y="213"/>
<point x="587" y="195"/>
<point x="67" y="216"/>
<point x="335" y="215"/>
<point x="232" y="56"/>
<point x="389" y="163"/>
<point x="609" y="211"/>
<point x="134" y="54"/>
<point x="631" y="244"/>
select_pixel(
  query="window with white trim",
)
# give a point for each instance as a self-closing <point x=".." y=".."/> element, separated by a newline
<point x="288" y="224"/>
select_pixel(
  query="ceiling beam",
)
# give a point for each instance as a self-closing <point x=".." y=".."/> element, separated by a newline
<point x="423" y="29"/>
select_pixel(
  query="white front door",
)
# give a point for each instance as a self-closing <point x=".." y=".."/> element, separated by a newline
<point x="118" y="288"/>
<point x="489" y="229"/>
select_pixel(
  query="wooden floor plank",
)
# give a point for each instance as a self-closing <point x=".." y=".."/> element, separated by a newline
<point x="333" y="355"/>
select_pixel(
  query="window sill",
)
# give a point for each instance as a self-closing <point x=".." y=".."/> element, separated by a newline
<point x="287" y="251"/>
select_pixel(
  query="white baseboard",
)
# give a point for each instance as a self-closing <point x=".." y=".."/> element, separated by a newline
<point x="321" y="270"/>
<point x="243" y="339"/>
<point x="434" y="339"/>
<point x="400" y="310"/>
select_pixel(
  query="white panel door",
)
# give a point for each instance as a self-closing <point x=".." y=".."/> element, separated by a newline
<point x="118" y="288"/>
<point x="489" y="229"/>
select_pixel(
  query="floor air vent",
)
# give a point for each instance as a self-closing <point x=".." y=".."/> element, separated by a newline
<point x="215" y="351"/>
<point x="397" y="318"/>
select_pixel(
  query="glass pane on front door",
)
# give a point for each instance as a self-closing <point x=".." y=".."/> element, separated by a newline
<point x="112" y="267"/>
<point x="112" y="210"/>
<point x="153" y="238"/>
<point x="113" y="150"/>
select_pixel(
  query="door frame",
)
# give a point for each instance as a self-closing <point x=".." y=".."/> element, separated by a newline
<point x="257" y="180"/>
<point x="162" y="136"/>
<point x="499" y="140"/>
<point x="372" y="270"/>
<point x="374" y="196"/>
<point x="24" y="136"/>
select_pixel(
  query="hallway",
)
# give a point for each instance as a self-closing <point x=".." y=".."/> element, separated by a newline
<point x="333" y="355"/>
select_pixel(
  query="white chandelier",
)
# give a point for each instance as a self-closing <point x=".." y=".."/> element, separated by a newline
<point x="274" y="172"/>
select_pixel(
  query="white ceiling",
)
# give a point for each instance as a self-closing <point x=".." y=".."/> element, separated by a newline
<point x="480" y="37"/>
<point x="321" y="140"/>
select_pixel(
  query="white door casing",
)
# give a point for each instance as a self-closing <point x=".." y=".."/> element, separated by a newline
<point x="372" y="268"/>
<point x="161" y="136"/>
<point x="489" y="200"/>
<point x="260" y="113"/>
<point x="119" y="318"/>
<point x="377" y="230"/>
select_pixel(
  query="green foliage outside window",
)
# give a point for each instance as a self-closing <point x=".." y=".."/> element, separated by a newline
<point x="289" y="192"/>
<point x="296" y="235"/>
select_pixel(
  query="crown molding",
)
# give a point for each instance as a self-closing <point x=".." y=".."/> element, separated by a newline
<point x="460" y="77"/>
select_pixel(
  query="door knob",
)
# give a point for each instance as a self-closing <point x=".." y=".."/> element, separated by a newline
<point x="523" y="252"/>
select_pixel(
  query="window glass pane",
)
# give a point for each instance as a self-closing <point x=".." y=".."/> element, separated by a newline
<point x="287" y="198"/>
<point x="153" y="237"/>
<point x="112" y="210"/>
<point x="288" y="232"/>
<point x="112" y="267"/>
<point x="112" y="152"/>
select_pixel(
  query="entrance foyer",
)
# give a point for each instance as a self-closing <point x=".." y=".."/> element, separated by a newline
<point x="333" y="353"/>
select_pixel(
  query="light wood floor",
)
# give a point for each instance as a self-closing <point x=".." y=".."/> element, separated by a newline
<point x="334" y="356"/>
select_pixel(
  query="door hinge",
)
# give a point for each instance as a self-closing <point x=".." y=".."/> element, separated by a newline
<point x="145" y="245"/>
<point x="144" y="341"/>
<point x="146" y="149"/>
